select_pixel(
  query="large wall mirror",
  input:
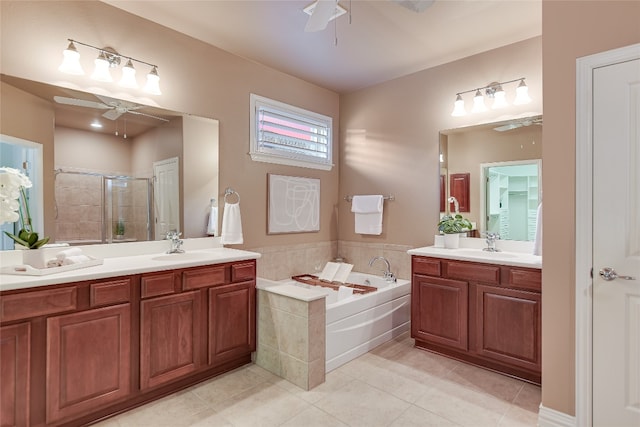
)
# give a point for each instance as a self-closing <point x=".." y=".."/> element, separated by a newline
<point x="122" y="171"/>
<point x="492" y="174"/>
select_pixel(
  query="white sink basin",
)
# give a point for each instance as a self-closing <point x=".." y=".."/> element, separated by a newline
<point x="184" y="256"/>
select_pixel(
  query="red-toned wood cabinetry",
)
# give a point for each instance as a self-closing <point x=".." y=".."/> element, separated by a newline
<point x="484" y="314"/>
<point x="75" y="353"/>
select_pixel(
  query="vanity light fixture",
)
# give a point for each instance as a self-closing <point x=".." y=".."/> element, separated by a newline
<point x="107" y="59"/>
<point x="493" y="91"/>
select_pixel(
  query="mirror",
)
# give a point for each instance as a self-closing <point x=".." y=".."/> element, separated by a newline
<point x="125" y="180"/>
<point x="493" y="171"/>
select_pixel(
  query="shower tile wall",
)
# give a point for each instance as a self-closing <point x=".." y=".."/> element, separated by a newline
<point x="79" y="203"/>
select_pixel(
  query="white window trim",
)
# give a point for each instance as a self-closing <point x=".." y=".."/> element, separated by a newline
<point x="306" y="162"/>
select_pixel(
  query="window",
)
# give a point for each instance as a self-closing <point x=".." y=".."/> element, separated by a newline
<point x="289" y="135"/>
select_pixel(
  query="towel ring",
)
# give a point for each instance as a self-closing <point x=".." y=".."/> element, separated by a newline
<point x="230" y="191"/>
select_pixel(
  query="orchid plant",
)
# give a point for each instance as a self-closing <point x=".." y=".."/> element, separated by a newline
<point x="14" y="206"/>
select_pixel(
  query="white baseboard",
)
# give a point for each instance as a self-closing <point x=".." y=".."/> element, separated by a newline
<point x="551" y="418"/>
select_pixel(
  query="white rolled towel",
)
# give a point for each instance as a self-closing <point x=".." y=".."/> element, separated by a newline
<point x="67" y="253"/>
<point x="75" y="259"/>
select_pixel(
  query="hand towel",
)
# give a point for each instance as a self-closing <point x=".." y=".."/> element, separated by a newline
<point x="75" y="259"/>
<point x="231" y="224"/>
<point x="368" y="213"/>
<point x="537" y="243"/>
<point x="344" y="292"/>
<point x="212" y="227"/>
<point x="67" y="253"/>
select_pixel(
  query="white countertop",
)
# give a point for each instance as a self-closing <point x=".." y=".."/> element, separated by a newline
<point x="121" y="260"/>
<point x="513" y="258"/>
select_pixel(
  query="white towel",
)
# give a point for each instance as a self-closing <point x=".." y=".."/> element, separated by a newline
<point x="212" y="227"/>
<point x="62" y="255"/>
<point x="231" y="224"/>
<point x="537" y="243"/>
<point x="75" y="259"/>
<point x="344" y="292"/>
<point x="368" y="213"/>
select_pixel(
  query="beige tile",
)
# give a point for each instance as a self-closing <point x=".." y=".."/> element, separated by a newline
<point x="418" y="417"/>
<point x="292" y="334"/>
<point x="294" y="370"/>
<point x="316" y="373"/>
<point x="529" y="398"/>
<point x="175" y="410"/>
<point x="269" y="359"/>
<point x="263" y="405"/>
<point x="333" y="382"/>
<point x="228" y="385"/>
<point x="359" y="404"/>
<point x="288" y="305"/>
<point x="518" y="417"/>
<point x="313" y="417"/>
<point x="491" y="383"/>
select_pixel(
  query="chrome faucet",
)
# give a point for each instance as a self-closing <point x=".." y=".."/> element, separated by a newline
<point x="491" y="242"/>
<point x="174" y="238"/>
<point x="386" y="274"/>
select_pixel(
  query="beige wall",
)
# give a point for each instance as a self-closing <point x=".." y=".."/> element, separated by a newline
<point x="84" y="151"/>
<point x="196" y="78"/>
<point x="18" y="112"/>
<point x="570" y="30"/>
<point x="389" y="136"/>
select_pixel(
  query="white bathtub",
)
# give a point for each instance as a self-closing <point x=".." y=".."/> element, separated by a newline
<point x="361" y="322"/>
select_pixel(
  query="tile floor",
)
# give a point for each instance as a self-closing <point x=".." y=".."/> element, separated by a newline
<point x="393" y="385"/>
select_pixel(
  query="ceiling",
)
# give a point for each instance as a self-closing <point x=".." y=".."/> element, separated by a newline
<point x="383" y="41"/>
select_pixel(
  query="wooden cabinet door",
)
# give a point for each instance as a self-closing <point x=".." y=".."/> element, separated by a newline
<point x="88" y="360"/>
<point x="507" y="326"/>
<point x="232" y="321"/>
<point x="14" y="372"/>
<point x="459" y="185"/>
<point x="169" y="338"/>
<point x="439" y="311"/>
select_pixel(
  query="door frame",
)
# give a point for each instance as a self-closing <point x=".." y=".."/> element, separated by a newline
<point x="584" y="222"/>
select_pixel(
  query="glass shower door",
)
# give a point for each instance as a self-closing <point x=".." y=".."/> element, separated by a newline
<point x="127" y="204"/>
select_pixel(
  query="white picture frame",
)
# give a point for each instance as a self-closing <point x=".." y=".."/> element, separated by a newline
<point x="294" y="204"/>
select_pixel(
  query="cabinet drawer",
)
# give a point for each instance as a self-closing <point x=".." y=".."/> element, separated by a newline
<point x="203" y="277"/>
<point x="428" y="266"/>
<point x="529" y="279"/>
<point x="473" y="272"/>
<point x="245" y="271"/>
<point x="157" y="284"/>
<point x="39" y="303"/>
<point x="111" y="292"/>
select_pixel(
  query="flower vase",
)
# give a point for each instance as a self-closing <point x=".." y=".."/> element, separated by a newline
<point x="452" y="240"/>
<point x="35" y="258"/>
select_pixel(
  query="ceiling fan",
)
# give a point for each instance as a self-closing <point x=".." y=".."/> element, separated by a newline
<point x="518" y="124"/>
<point x="115" y="107"/>
<point x="323" y="11"/>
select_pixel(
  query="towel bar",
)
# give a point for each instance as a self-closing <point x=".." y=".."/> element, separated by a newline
<point x="230" y="191"/>
<point x="389" y="197"/>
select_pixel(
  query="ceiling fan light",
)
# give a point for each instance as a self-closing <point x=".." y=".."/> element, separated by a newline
<point x="522" y="94"/>
<point x="128" y="78"/>
<point x="499" y="99"/>
<point x="153" y="82"/>
<point x="458" y="107"/>
<point x="71" y="61"/>
<point x="101" y="71"/>
<point x="478" y="103"/>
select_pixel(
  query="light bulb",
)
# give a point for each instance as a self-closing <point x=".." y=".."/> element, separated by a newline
<point x="499" y="99"/>
<point x="128" y="78"/>
<point x="522" y="94"/>
<point x="71" y="61"/>
<point x="153" y="82"/>
<point x="458" y="107"/>
<point x="101" y="72"/>
<point x="478" y="103"/>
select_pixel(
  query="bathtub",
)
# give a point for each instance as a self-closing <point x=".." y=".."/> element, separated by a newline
<point x="357" y="323"/>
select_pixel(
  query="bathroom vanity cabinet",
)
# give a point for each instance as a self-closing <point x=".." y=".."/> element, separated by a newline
<point x="485" y="314"/>
<point x="77" y="352"/>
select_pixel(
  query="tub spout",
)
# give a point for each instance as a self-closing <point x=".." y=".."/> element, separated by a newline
<point x="387" y="274"/>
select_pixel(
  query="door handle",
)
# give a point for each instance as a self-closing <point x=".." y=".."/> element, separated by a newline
<point x="608" y="274"/>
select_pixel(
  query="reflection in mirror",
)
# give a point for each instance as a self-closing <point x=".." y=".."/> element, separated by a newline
<point x="118" y="174"/>
<point x="471" y="159"/>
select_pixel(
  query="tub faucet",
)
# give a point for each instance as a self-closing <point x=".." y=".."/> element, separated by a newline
<point x="491" y="242"/>
<point x="387" y="274"/>
<point x="174" y="238"/>
<point x="456" y="205"/>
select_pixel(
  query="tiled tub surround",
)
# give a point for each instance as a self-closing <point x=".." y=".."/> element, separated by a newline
<point x="301" y="326"/>
<point x="282" y="262"/>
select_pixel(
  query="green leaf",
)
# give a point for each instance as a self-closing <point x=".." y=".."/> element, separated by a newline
<point x="39" y="243"/>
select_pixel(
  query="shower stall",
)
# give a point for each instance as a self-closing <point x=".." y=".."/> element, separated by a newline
<point x="97" y="208"/>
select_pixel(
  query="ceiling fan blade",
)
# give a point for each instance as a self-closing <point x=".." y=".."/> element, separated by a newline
<point x="80" y="103"/>
<point x="320" y="15"/>
<point x="118" y="103"/>
<point x="508" y="126"/>
<point x="112" y="114"/>
<point x="417" y="6"/>
<point x="148" y="115"/>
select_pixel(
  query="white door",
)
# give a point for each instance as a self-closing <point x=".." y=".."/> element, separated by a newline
<point x="166" y="196"/>
<point x="616" y="244"/>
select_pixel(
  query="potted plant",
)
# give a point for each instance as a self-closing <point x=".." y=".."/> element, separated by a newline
<point x="451" y="226"/>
